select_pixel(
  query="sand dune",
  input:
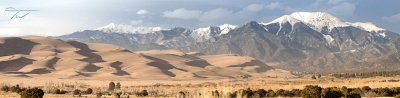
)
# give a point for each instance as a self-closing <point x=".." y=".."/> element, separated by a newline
<point x="34" y="56"/>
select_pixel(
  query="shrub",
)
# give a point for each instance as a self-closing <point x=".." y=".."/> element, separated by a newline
<point x="99" y="94"/>
<point x="15" y="88"/>
<point x="366" y="88"/>
<point x="311" y="91"/>
<point x="58" y="91"/>
<point x="354" y="95"/>
<point x="331" y="93"/>
<point x="111" y="86"/>
<point x="89" y="91"/>
<point x="313" y="77"/>
<point x="32" y="93"/>
<point x="271" y="93"/>
<point x="143" y="93"/>
<point x="118" y="86"/>
<point x="77" y="92"/>
<point x="5" y="88"/>
<point x="261" y="92"/>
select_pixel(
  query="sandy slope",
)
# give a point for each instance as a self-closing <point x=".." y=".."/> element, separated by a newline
<point x="34" y="56"/>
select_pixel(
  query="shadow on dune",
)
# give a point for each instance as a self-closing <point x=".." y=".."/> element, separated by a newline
<point x="262" y="66"/>
<point x="86" y="51"/>
<point x="16" y="45"/>
<point x="163" y="65"/>
<point x="14" y="65"/>
<point x="117" y="66"/>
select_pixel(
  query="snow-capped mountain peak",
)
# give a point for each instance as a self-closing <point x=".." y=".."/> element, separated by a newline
<point x="120" y="28"/>
<point x="225" y="28"/>
<point x="319" y="20"/>
<point x="283" y="19"/>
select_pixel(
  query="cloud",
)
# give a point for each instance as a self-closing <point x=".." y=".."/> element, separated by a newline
<point x="142" y="12"/>
<point x="394" y="18"/>
<point x="182" y="13"/>
<point x="136" y="22"/>
<point x="343" y="9"/>
<point x="333" y="2"/>
<point x="215" y="14"/>
<point x="255" y="7"/>
<point x="274" y="5"/>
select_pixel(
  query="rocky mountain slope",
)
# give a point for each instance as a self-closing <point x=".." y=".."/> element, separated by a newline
<point x="34" y="56"/>
<point x="301" y="41"/>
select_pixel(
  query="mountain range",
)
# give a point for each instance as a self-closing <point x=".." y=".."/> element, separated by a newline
<point x="301" y="41"/>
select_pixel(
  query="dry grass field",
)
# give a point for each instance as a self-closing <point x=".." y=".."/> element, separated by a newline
<point x="190" y="88"/>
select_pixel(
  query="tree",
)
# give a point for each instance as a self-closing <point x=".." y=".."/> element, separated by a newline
<point x="111" y="86"/>
<point x="118" y="85"/>
<point x="319" y="76"/>
<point x="311" y="91"/>
<point x="32" y="93"/>
<point x="89" y="91"/>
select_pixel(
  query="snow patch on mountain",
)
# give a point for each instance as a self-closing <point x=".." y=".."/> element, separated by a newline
<point x="367" y="26"/>
<point x="225" y="28"/>
<point x="319" y="20"/>
<point x="283" y="19"/>
<point x="120" y="28"/>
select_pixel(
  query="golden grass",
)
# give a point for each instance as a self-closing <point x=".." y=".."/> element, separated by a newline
<point x="193" y="88"/>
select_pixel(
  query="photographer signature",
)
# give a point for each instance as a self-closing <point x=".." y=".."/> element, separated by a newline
<point x="18" y="13"/>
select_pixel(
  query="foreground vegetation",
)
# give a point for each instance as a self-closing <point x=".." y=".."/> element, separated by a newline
<point x="118" y="91"/>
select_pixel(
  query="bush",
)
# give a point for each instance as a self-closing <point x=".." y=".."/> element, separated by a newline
<point x="89" y="91"/>
<point x="32" y="93"/>
<point x="15" y="88"/>
<point x="354" y="95"/>
<point x="313" y="77"/>
<point x="261" y="92"/>
<point x="5" y="88"/>
<point x="331" y="93"/>
<point x="311" y="91"/>
<point x="111" y="86"/>
<point x="58" y="91"/>
<point x="77" y="92"/>
<point x="143" y="93"/>
<point x="271" y="93"/>
<point x="99" y="94"/>
<point x="118" y="86"/>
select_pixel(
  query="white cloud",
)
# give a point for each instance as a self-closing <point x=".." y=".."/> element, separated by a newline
<point x="255" y="7"/>
<point x="216" y="14"/>
<point x="333" y="2"/>
<point x="182" y="13"/>
<point x="274" y="5"/>
<point x="136" y="22"/>
<point x="142" y="12"/>
<point x="343" y="9"/>
<point x="394" y="18"/>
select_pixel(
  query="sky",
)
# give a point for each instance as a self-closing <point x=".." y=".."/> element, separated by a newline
<point x="59" y="17"/>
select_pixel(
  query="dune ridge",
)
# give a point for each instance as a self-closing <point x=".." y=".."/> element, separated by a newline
<point x="35" y="56"/>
